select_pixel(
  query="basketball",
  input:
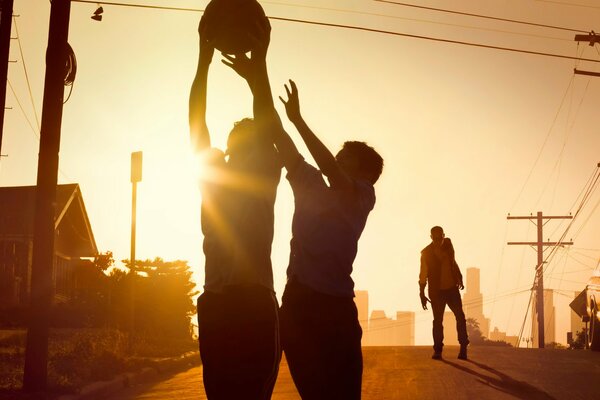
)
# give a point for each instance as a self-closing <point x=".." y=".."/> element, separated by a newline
<point x="229" y="22"/>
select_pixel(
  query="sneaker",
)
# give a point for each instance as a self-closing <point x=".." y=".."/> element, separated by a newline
<point x="462" y="354"/>
<point x="437" y="355"/>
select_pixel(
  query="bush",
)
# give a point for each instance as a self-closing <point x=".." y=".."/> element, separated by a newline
<point x="78" y="357"/>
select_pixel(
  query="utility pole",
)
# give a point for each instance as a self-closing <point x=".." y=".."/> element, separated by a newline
<point x="136" y="176"/>
<point x="539" y="269"/>
<point x="592" y="38"/>
<point x="6" y="10"/>
<point x="36" y="354"/>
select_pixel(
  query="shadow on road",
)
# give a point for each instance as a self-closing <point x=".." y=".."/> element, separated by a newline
<point x="503" y="382"/>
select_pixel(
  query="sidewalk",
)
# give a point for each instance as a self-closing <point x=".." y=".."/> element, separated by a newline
<point x="187" y="385"/>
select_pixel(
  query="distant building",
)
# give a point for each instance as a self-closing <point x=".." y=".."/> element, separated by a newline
<point x="549" y="319"/>
<point x="361" y="299"/>
<point x="384" y="331"/>
<point x="73" y="239"/>
<point x="498" y="336"/>
<point x="405" y="328"/>
<point x="380" y="329"/>
<point x="473" y="301"/>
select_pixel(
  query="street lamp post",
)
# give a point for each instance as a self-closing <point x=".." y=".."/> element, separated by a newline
<point x="136" y="176"/>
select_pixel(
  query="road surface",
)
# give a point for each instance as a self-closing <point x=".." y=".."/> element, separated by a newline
<point x="409" y="373"/>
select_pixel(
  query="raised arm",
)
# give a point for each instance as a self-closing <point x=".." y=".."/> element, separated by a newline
<point x="323" y="157"/>
<point x="254" y="70"/>
<point x="199" y="134"/>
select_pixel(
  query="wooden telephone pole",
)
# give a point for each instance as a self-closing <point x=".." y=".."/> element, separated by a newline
<point x="42" y="292"/>
<point x="539" y="269"/>
<point x="6" y="10"/>
<point x="592" y="38"/>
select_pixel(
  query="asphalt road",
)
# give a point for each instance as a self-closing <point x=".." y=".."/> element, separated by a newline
<point x="410" y="373"/>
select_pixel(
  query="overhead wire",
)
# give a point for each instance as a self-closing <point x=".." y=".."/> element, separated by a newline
<point x="571" y="255"/>
<point x="372" y="30"/>
<point x="574" y="250"/>
<point x="539" y="155"/>
<point x="587" y="219"/>
<point x="436" y="39"/>
<point x="587" y="269"/>
<point x="481" y="16"/>
<point x="35" y="131"/>
<point x="588" y="189"/>
<point x="521" y="331"/>
<point x="366" y="13"/>
<point x="569" y="130"/>
<point x="588" y="192"/>
<point x="564" y="3"/>
<point x="37" y="120"/>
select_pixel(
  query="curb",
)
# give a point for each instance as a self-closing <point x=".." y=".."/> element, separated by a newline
<point x="102" y="389"/>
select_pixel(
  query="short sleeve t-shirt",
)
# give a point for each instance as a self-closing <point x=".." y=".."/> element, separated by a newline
<point x="326" y="227"/>
<point x="237" y="219"/>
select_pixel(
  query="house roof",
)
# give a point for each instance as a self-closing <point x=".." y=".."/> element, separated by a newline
<point x="17" y="211"/>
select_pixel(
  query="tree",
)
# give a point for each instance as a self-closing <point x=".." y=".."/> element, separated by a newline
<point x="475" y="335"/>
<point x="163" y="303"/>
<point x="86" y="306"/>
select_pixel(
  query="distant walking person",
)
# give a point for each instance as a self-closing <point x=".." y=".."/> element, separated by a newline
<point x="440" y="270"/>
<point x="238" y="328"/>
<point x="320" y="332"/>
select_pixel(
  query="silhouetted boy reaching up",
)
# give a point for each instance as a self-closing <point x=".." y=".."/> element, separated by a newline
<point x="320" y="333"/>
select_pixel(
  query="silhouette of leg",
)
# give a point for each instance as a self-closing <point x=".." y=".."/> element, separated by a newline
<point x="321" y="340"/>
<point x="238" y="336"/>
<point x="455" y="304"/>
<point x="438" y="305"/>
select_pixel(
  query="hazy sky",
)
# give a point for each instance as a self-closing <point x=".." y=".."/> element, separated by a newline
<point x="460" y="129"/>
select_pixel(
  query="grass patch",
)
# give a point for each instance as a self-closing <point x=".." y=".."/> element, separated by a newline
<point x="79" y="357"/>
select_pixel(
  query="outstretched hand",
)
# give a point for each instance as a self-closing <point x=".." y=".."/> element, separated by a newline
<point x="246" y="66"/>
<point x="424" y="301"/>
<point x="241" y="64"/>
<point x="292" y="105"/>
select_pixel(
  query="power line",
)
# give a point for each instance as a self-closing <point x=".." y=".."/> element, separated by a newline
<point x="372" y="30"/>
<point x="563" y="3"/>
<point x="140" y="6"/>
<point x="537" y="159"/>
<point x="480" y="45"/>
<point x="37" y="120"/>
<point x="482" y="16"/>
<point x="36" y="132"/>
<point x="591" y="187"/>
<point x="412" y="19"/>
<point x="569" y="130"/>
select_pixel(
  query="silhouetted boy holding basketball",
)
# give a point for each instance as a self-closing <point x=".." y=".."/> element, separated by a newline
<point x="238" y="328"/>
